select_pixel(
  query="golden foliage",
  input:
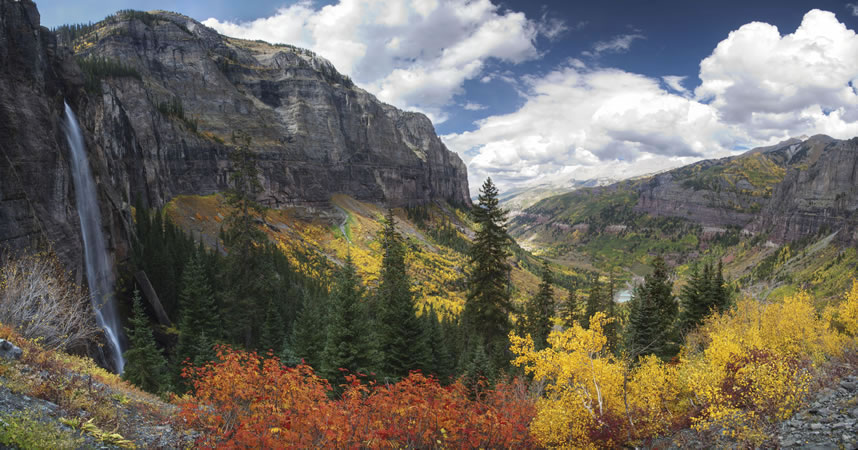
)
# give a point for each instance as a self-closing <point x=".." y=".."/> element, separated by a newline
<point x="738" y="374"/>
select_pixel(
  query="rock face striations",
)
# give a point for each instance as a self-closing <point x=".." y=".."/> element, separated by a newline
<point x="167" y="130"/>
<point x="35" y="179"/>
<point x="794" y="189"/>
<point x="160" y="98"/>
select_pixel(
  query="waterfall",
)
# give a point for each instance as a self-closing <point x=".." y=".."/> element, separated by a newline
<point x="99" y="274"/>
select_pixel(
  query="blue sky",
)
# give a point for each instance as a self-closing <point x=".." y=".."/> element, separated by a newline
<point x="534" y="92"/>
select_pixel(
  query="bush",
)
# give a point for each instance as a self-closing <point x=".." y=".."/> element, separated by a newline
<point x="22" y="429"/>
<point x="39" y="300"/>
<point x="247" y="401"/>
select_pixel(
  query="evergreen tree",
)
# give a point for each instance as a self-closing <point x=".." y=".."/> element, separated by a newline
<point x="146" y="366"/>
<point x="571" y="310"/>
<point x="271" y="336"/>
<point x="248" y="272"/>
<point x="653" y="314"/>
<point x="540" y="309"/>
<point x="722" y="295"/>
<point x="346" y="344"/>
<point x="488" y="303"/>
<point x="595" y="302"/>
<point x="308" y="337"/>
<point x="703" y="294"/>
<point x="691" y="300"/>
<point x="442" y="361"/>
<point x="399" y="342"/>
<point x="199" y="316"/>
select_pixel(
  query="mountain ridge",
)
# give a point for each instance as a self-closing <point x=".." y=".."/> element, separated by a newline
<point x="159" y="97"/>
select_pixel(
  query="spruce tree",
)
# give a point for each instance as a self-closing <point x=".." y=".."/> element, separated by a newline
<point x="346" y="344"/>
<point x="652" y="315"/>
<point x="595" y="302"/>
<point x="399" y="341"/>
<point x="442" y="361"/>
<point x="488" y="304"/>
<point x="571" y="310"/>
<point x="271" y="335"/>
<point x="540" y="309"/>
<point x="247" y="272"/>
<point x="146" y="366"/>
<point x="309" y="333"/>
<point x="199" y="315"/>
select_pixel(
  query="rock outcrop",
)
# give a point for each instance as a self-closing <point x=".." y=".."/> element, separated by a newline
<point x="159" y="122"/>
<point x="794" y="189"/>
<point x="314" y="132"/>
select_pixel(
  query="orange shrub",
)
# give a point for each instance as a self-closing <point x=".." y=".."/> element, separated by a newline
<point x="248" y="401"/>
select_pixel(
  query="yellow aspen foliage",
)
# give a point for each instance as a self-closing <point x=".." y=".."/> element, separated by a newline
<point x="738" y="374"/>
<point x="656" y="398"/>
<point x="757" y="364"/>
<point x="583" y="400"/>
<point x="848" y="310"/>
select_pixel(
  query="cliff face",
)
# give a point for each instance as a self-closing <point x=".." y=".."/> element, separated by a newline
<point x="790" y="190"/>
<point x="35" y="183"/>
<point x="819" y="194"/>
<point x="313" y="131"/>
<point x="162" y="124"/>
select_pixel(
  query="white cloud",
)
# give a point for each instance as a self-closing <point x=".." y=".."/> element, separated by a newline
<point x="414" y="54"/>
<point x="675" y="83"/>
<point x="579" y="123"/>
<point x="800" y="82"/>
<point x="757" y="88"/>
<point x="617" y="44"/>
<point x="470" y="106"/>
<point x="853" y="8"/>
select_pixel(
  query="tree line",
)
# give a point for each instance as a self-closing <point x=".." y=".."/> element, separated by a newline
<point x="248" y="295"/>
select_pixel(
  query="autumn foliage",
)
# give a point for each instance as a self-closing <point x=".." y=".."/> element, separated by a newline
<point x="247" y="400"/>
<point x="736" y="377"/>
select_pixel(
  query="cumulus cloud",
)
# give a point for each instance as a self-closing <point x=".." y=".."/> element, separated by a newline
<point x="757" y="87"/>
<point x="581" y="123"/>
<point x="414" y="54"/>
<point x="675" y="83"/>
<point x="769" y="83"/>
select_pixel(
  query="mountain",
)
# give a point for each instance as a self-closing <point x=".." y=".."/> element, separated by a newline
<point x="160" y="98"/>
<point x="518" y="199"/>
<point x="797" y="190"/>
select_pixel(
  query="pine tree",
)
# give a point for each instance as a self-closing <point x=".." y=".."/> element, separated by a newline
<point x="346" y="345"/>
<point x="271" y="336"/>
<point x="307" y="340"/>
<point x="488" y="303"/>
<point x="540" y="309"/>
<point x="399" y="342"/>
<point x="692" y="301"/>
<point x="146" y="366"/>
<point x="653" y="314"/>
<point x="442" y="361"/>
<point x="595" y="302"/>
<point x="571" y="309"/>
<point x="247" y="272"/>
<point x="199" y="314"/>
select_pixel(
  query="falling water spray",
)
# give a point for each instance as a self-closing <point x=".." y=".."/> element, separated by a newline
<point x="99" y="273"/>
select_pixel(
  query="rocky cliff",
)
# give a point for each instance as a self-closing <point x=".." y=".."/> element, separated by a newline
<point x="35" y="183"/>
<point x="788" y="191"/>
<point x="314" y="132"/>
<point x="160" y="97"/>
